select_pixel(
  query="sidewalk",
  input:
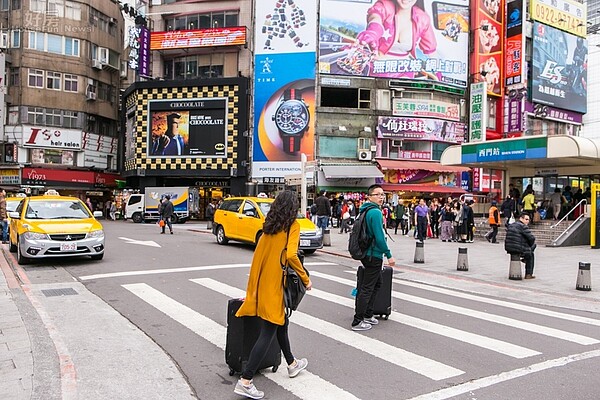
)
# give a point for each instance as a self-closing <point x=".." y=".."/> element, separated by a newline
<point x="60" y="341"/>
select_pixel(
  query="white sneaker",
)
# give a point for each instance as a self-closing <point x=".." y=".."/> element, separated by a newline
<point x="371" y="321"/>
<point x="362" y="326"/>
<point x="295" y="370"/>
<point x="249" y="391"/>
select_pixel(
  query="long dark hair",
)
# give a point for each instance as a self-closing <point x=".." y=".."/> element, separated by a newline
<point x="282" y="214"/>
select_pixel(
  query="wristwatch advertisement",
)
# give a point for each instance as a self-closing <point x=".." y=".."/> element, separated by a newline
<point x="292" y="119"/>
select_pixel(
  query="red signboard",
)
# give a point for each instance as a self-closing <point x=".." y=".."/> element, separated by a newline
<point x="67" y="178"/>
<point x="232" y="36"/>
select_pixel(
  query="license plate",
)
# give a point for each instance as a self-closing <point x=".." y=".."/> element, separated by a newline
<point x="304" y="243"/>
<point x="68" y="246"/>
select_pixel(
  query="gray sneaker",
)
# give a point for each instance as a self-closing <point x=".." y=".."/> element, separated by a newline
<point x="372" y="321"/>
<point x="248" y="391"/>
<point x="362" y="326"/>
<point x="300" y="365"/>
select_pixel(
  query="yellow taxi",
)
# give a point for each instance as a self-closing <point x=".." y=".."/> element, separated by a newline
<point x="242" y="219"/>
<point x="55" y="226"/>
<point x="12" y="203"/>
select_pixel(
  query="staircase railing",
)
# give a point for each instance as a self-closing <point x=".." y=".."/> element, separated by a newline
<point x="581" y="203"/>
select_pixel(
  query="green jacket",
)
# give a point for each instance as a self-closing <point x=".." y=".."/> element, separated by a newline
<point x="374" y="220"/>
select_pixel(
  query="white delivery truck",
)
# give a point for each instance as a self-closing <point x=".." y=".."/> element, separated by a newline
<point x="144" y="207"/>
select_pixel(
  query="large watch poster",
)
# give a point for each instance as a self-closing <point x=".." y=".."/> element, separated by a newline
<point x="284" y="86"/>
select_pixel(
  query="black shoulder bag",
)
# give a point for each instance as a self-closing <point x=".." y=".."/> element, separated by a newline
<point x="293" y="287"/>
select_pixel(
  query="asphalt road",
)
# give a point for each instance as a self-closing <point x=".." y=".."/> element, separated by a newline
<point x="439" y="343"/>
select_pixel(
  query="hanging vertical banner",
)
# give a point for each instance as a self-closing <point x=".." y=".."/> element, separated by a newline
<point x="477" y="112"/>
<point x="488" y="43"/>
<point x="515" y="45"/>
<point x="284" y="86"/>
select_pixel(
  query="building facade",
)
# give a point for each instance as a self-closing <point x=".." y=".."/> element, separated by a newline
<point x="60" y="108"/>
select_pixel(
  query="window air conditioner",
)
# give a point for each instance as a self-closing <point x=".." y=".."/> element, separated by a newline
<point x="97" y="64"/>
<point x="365" y="154"/>
<point x="91" y="96"/>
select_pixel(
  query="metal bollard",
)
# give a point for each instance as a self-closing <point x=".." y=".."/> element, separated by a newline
<point x="462" y="262"/>
<point x="584" y="277"/>
<point x="420" y="253"/>
<point x="209" y="224"/>
<point x="515" y="272"/>
<point x="326" y="237"/>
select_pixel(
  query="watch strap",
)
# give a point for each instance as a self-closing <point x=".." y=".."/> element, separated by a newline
<point x="291" y="144"/>
<point x="292" y="93"/>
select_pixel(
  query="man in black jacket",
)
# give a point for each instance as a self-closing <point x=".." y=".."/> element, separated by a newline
<point x="323" y="210"/>
<point x="166" y="211"/>
<point x="520" y="240"/>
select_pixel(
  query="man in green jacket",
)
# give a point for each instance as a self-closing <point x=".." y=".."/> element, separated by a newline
<point x="372" y="262"/>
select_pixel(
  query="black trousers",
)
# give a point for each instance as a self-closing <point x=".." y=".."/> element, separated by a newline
<point x="421" y="228"/>
<point x="493" y="233"/>
<point x="529" y="259"/>
<point x="369" y="286"/>
<point x="268" y="332"/>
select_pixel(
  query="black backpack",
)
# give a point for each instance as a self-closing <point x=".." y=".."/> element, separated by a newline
<point x="360" y="240"/>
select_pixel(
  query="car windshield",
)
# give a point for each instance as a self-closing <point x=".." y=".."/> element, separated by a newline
<point x="11" y="205"/>
<point x="56" y="209"/>
<point x="265" y="207"/>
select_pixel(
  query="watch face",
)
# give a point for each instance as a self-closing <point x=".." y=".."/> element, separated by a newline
<point x="292" y="117"/>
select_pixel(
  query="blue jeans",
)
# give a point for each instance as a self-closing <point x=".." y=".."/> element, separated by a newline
<point x="4" y="230"/>
<point x="322" y="222"/>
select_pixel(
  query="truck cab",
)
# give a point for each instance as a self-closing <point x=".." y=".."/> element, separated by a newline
<point x="134" y="209"/>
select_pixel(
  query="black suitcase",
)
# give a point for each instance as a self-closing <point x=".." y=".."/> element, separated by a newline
<point x="383" y="302"/>
<point x="242" y="333"/>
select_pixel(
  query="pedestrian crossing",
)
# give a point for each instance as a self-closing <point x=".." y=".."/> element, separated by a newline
<point x="309" y="385"/>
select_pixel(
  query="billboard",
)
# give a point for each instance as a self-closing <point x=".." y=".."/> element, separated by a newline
<point x="477" y="112"/>
<point x="559" y="69"/>
<point x="488" y="43"/>
<point x="420" y="129"/>
<point x="368" y="39"/>
<point x="187" y="128"/>
<point x="514" y="57"/>
<point x="566" y="15"/>
<point x="284" y="86"/>
<point x="425" y="108"/>
<point x="231" y="36"/>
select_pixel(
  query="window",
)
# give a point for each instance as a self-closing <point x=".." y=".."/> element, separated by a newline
<point x="203" y="21"/>
<point x="37" y="6"/>
<point x="56" y="8"/>
<point x="70" y="119"/>
<point x="364" y="98"/>
<point x="491" y="121"/>
<point x="35" y="115"/>
<point x="15" y="77"/>
<point x="4" y="5"/>
<point x="36" y="40"/>
<point x="73" y="10"/>
<point x="52" y="156"/>
<point x="213" y="71"/>
<point x="339" y="97"/>
<point x="53" y="80"/>
<point x="231" y="19"/>
<point x="36" y="78"/>
<point x="70" y="83"/>
<point x="15" y="39"/>
<point x="16" y="4"/>
<point x="55" y="44"/>
<point x="72" y="47"/>
<point x="218" y="20"/>
<point x="53" y="117"/>
<point x="437" y="150"/>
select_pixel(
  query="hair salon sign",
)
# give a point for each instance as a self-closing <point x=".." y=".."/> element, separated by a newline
<point x="51" y="138"/>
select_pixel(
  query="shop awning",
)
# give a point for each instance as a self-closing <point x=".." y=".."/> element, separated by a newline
<point x="391" y="187"/>
<point x="424" y="165"/>
<point x="362" y="171"/>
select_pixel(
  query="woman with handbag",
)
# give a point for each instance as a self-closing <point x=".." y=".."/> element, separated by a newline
<point x="264" y="294"/>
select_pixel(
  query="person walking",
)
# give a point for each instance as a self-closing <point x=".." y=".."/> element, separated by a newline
<point x="323" y="210"/>
<point x="494" y="221"/>
<point x="519" y="240"/>
<point x="400" y="212"/>
<point x="113" y="211"/>
<point x="421" y="220"/>
<point x="3" y="216"/>
<point x="556" y="200"/>
<point x="508" y="210"/>
<point x="264" y="292"/>
<point x="529" y="203"/>
<point x="372" y="261"/>
<point x="166" y="214"/>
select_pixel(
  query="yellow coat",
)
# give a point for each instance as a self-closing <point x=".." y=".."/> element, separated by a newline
<point x="264" y="294"/>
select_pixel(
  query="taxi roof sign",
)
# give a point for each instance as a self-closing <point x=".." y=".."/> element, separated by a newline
<point x="51" y="192"/>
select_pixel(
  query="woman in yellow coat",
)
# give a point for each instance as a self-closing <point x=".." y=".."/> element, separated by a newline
<point x="264" y="294"/>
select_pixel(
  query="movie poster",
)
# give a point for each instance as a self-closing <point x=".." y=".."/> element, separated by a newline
<point x="369" y="38"/>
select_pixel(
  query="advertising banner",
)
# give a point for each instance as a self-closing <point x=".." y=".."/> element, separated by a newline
<point x="556" y="114"/>
<point x="566" y="15"/>
<point x="420" y="177"/>
<point x="559" y="69"/>
<point x="187" y="128"/>
<point x="488" y="43"/>
<point x="425" y="108"/>
<point x="515" y="75"/>
<point x="514" y="121"/>
<point x="34" y="136"/>
<point x="365" y="38"/>
<point x="477" y="112"/>
<point x="284" y="86"/>
<point x="231" y="36"/>
<point x="420" y="129"/>
<point x="503" y="150"/>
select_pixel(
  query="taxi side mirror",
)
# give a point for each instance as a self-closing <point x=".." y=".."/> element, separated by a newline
<point x="14" y="215"/>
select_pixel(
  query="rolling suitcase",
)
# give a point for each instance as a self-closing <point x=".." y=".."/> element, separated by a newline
<point x="383" y="302"/>
<point x="242" y="333"/>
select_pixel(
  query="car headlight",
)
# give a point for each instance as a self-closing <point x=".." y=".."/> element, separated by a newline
<point x="318" y="232"/>
<point x="35" y="236"/>
<point x="96" y="234"/>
